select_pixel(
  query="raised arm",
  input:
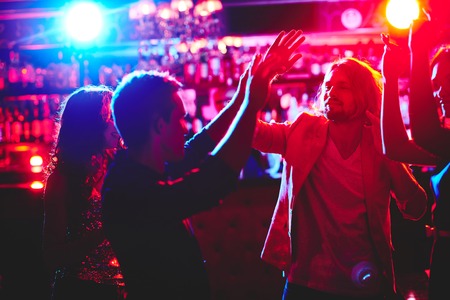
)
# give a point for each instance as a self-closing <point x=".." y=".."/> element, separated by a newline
<point x="395" y="140"/>
<point x="235" y="147"/>
<point x="283" y="48"/>
<point x="426" y="128"/>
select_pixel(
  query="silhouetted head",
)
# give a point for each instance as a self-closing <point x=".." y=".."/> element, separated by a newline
<point x="85" y="125"/>
<point x="147" y="103"/>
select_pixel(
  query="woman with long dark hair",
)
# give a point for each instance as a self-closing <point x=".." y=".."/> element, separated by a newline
<point x="74" y="245"/>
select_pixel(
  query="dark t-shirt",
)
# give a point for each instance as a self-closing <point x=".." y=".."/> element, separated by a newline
<point x="440" y="183"/>
<point x="144" y="217"/>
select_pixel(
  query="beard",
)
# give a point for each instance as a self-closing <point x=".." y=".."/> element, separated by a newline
<point x="334" y="113"/>
<point x="338" y="114"/>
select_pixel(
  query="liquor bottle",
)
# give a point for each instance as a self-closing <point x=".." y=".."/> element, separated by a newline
<point x="28" y="73"/>
<point x="2" y="125"/>
<point x="7" y="124"/>
<point x="227" y="67"/>
<point x="246" y="58"/>
<point x="36" y="123"/>
<point x="214" y="66"/>
<point x="201" y="76"/>
<point x="74" y="76"/>
<point x="47" y="123"/>
<point x="237" y="65"/>
<point x="26" y="134"/>
<point x="16" y="125"/>
<point x="87" y="80"/>
<point x="167" y="60"/>
<point x="3" y="75"/>
<point x="40" y="78"/>
<point x="14" y="75"/>
<point x="189" y="68"/>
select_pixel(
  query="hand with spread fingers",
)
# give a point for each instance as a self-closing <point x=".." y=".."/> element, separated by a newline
<point x="284" y="48"/>
<point x="279" y="58"/>
<point x="350" y="88"/>
<point x="392" y="55"/>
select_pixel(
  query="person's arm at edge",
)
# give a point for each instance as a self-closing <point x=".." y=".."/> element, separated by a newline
<point x="236" y="146"/>
<point x="218" y="127"/>
<point x="409" y="195"/>
<point x="426" y="129"/>
<point x="395" y="141"/>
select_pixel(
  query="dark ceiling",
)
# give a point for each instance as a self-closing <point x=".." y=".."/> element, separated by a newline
<point x="253" y="17"/>
<point x="114" y="3"/>
<point x="248" y="16"/>
<point x="310" y="16"/>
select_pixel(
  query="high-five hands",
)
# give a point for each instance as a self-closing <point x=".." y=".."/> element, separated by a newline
<point x="279" y="58"/>
<point x="284" y="48"/>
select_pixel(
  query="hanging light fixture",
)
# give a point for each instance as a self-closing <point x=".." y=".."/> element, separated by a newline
<point x="207" y="7"/>
<point x="179" y="19"/>
<point x="181" y="5"/>
<point x="176" y="33"/>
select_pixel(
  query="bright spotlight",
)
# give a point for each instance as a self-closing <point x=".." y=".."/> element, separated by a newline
<point x="84" y="21"/>
<point x="401" y="13"/>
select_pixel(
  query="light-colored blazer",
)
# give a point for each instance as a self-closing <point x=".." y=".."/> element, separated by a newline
<point x="300" y="144"/>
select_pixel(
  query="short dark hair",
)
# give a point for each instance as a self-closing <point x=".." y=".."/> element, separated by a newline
<point x="140" y="98"/>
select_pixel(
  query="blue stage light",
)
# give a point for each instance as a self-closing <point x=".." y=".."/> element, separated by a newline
<point x="84" y="21"/>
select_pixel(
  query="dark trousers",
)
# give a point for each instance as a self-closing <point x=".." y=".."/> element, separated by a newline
<point x="68" y="288"/>
<point x="298" y="292"/>
<point x="439" y="269"/>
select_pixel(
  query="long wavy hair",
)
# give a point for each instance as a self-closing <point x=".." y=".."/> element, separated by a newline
<point x="367" y="85"/>
<point x="79" y="143"/>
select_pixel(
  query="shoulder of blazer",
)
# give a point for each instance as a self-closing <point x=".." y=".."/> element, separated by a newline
<point x="306" y="138"/>
<point x="310" y="123"/>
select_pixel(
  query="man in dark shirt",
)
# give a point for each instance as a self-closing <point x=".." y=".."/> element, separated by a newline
<point x="158" y="181"/>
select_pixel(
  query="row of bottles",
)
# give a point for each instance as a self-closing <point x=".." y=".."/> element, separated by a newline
<point x="209" y="64"/>
<point x="18" y="73"/>
<point x="216" y="65"/>
<point x="29" y="117"/>
<point x="28" y="120"/>
<point x="206" y="65"/>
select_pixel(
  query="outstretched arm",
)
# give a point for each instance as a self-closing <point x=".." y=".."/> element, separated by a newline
<point x="396" y="143"/>
<point x="235" y="147"/>
<point x="426" y="129"/>
<point x="284" y="48"/>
